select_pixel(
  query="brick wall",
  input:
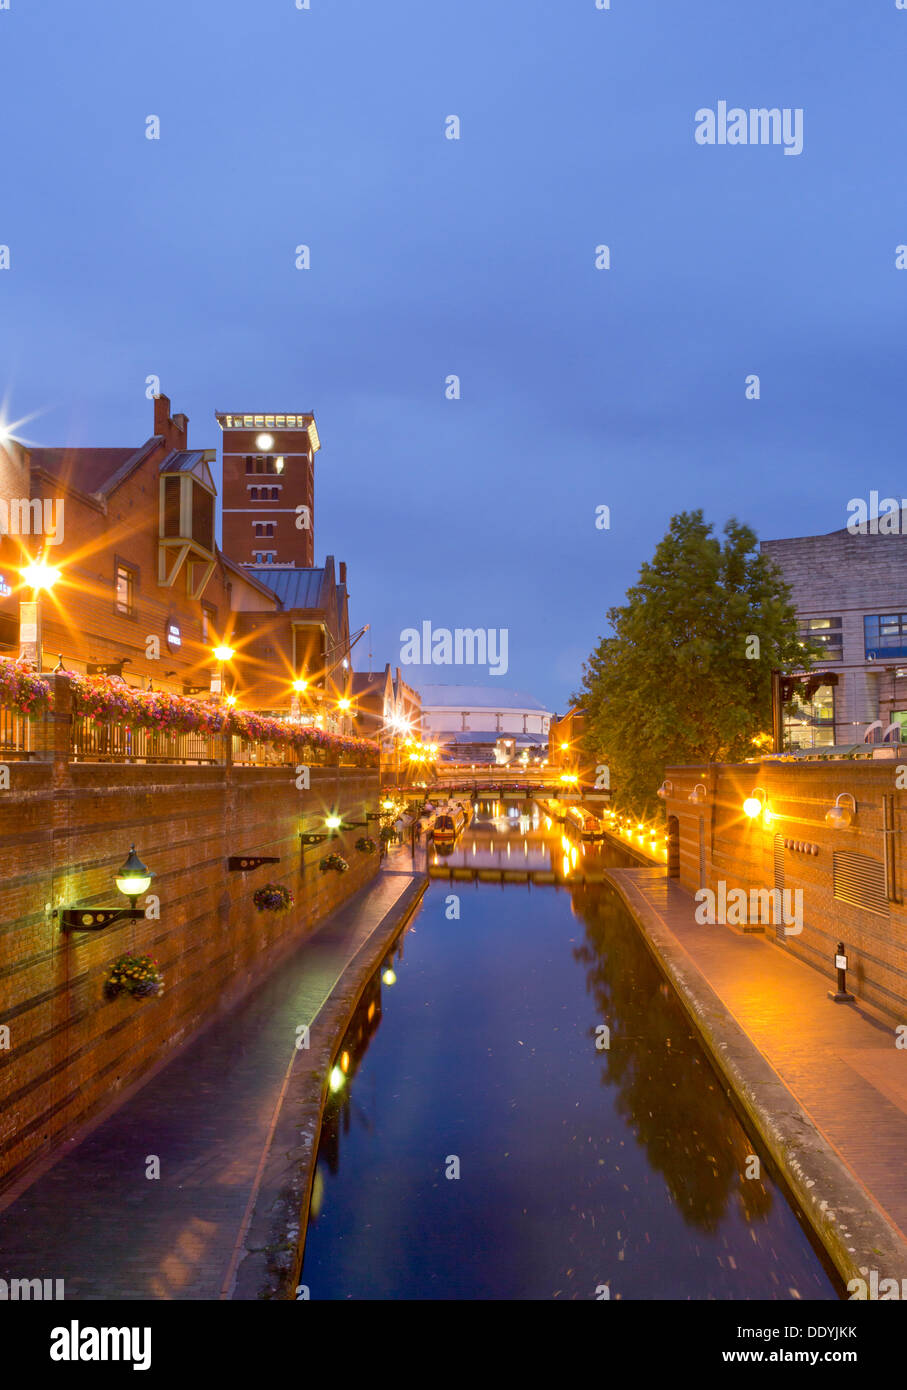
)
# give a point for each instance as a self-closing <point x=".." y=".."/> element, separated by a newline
<point x="64" y="831"/>
<point x="740" y="851"/>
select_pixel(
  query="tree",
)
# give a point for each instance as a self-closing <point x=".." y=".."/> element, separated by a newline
<point x="682" y="679"/>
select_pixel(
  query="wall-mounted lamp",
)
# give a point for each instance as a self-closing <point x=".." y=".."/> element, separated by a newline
<point x="841" y="816"/>
<point x="755" y="803"/>
<point x="133" y="879"/>
<point x="666" y="789"/>
<point x="698" y="794"/>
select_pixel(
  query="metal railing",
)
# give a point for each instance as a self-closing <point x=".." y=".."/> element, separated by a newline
<point x="17" y="733"/>
<point x="93" y="741"/>
<point x="107" y="741"/>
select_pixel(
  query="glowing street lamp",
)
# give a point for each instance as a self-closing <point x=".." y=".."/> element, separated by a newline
<point x="39" y="575"/>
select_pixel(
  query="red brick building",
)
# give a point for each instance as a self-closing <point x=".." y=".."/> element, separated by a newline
<point x="384" y="705"/>
<point x="269" y="488"/>
<point x="144" y="588"/>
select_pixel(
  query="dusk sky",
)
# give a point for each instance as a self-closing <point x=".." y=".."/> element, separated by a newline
<point x="476" y="257"/>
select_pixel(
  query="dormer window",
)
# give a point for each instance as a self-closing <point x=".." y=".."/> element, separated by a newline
<point x="186" y="522"/>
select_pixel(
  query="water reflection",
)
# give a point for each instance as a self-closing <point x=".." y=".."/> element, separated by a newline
<point x="667" y="1091"/>
<point x="579" y="1165"/>
<point x="519" y="835"/>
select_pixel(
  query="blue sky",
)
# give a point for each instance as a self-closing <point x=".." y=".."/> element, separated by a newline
<point x="579" y="387"/>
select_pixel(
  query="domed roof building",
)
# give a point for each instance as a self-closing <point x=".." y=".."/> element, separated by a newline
<point x="478" y="723"/>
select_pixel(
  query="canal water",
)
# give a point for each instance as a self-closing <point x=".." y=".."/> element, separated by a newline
<point x="479" y="1144"/>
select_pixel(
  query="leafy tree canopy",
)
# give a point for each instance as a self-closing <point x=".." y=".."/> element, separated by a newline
<point x="682" y="680"/>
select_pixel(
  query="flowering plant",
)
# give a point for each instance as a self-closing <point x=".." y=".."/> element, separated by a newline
<point x="22" y="688"/>
<point x="333" y="861"/>
<point x="366" y="845"/>
<point x="108" y="700"/>
<point x="273" y="897"/>
<point x="139" y="976"/>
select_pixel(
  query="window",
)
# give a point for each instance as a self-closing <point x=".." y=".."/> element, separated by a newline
<point x="264" y="557"/>
<point x="826" y="634"/>
<point x="885" y="635"/>
<point x="253" y="494"/>
<point x="809" y="718"/>
<point x="264" y="529"/>
<point x="202" y="516"/>
<point x="172" y="506"/>
<point x="124" y="577"/>
<point x="209" y="621"/>
<point x="250" y="465"/>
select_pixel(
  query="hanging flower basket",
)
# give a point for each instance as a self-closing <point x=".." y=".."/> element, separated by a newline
<point x="333" y="861"/>
<point x="365" y="845"/>
<point x="273" y="897"/>
<point x="139" y="976"/>
<point x="386" y="834"/>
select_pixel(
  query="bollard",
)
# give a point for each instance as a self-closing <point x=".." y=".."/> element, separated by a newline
<point x="841" y="995"/>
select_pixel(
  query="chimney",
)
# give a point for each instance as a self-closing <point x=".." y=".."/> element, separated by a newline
<point x="343" y="571"/>
<point x="173" y="431"/>
<point x="162" y="415"/>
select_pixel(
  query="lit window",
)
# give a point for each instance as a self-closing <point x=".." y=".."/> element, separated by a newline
<point x="885" y="635"/>
<point x="824" y="634"/>
<point x="124" y="589"/>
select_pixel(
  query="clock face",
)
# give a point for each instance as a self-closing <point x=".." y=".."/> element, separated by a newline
<point x="174" y="637"/>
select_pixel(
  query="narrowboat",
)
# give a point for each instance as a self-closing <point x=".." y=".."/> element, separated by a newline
<point x="449" y="822"/>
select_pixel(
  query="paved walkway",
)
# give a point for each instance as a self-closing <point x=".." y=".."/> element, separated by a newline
<point x="95" y="1220"/>
<point x="839" y="1062"/>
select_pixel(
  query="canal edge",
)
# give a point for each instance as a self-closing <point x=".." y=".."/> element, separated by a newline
<point x="274" y="1242"/>
<point x="855" y="1233"/>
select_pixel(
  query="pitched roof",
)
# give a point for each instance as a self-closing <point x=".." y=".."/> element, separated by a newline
<point x="296" y="588"/>
<point x="90" y="470"/>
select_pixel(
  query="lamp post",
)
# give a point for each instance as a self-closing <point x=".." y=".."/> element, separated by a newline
<point x="222" y="655"/>
<point x="300" y="686"/>
<point x="40" y="576"/>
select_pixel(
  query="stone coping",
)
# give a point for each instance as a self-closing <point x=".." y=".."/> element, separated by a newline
<point x="275" y="1240"/>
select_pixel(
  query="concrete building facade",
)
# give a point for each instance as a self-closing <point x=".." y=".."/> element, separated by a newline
<point x="850" y="591"/>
